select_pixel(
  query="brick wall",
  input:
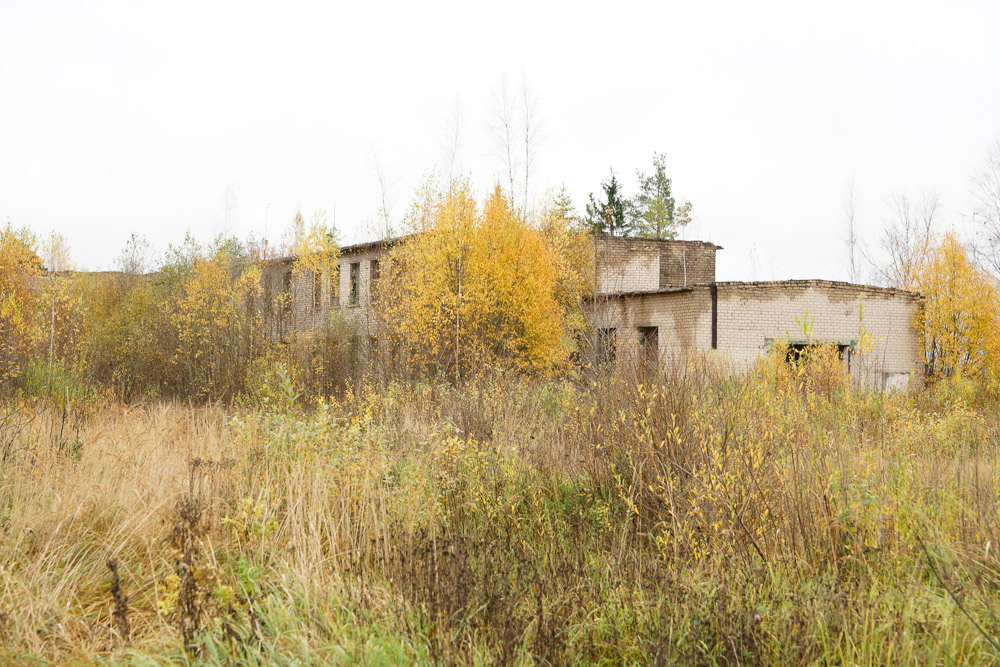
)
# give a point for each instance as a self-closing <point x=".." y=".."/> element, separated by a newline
<point x="626" y="265"/>
<point x="639" y="265"/>
<point x="305" y="312"/>
<point x="686" y="263"/>
<point x="683" y="319"/>
<point x="751" y="315"/>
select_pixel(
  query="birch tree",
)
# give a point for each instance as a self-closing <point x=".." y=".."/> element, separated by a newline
<point x="907" y="239"/>
<point x="961" y="312"/>
<point x="986" y="187"/>
<point x="851" y="232"/>
<point x="476" y="287"/>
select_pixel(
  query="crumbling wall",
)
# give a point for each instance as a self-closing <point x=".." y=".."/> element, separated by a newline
<point x="875" y="325"/>
<point x="752" y="315"/>
<point x="358" y="311"/>
<point x="642" y="265"/>
<point x="685" y="263"/>
<point x="626" y="265"/>
<point x="682" y="317"/>
<point x="304" y="311"/>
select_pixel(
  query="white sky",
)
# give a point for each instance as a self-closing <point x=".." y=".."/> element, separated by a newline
<point x="137" y="117"/>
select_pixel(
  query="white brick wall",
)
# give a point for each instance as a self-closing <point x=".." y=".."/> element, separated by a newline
<point x="642" y="265"/>
<point x="751" y="315"/>
<point x="627" y="269"/>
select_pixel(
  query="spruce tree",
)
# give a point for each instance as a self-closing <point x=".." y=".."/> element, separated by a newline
<point x="654" y="204"/>
<point x="613" y="215"/>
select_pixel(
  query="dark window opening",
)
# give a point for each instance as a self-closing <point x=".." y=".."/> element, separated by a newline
<point x="334" y="286"/>
<point x="286" y="293"/>
<point x="376" y="272"/>
<point x="798" y="351"/>
<point x="649" y="344"/>
<point x="355" y="270"/>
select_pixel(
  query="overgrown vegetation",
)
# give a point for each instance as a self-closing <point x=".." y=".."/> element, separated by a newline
<point x="475" y="288"/>
<point x="197" y="328"/>
<point x="472" y="287"/>
<point x="180" y="484"/>
<point x="683" y="515"/>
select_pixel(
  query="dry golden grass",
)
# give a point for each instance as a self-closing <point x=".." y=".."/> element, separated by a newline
<point x="679" y="516"/>
<point x="66" y="515"/>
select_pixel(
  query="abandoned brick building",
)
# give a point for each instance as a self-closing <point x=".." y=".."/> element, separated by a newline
<point x="659" y="298"/>
<point x="314" y="296"/>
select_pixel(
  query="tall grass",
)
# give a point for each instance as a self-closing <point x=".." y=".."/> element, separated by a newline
<point x="682" y="514"/>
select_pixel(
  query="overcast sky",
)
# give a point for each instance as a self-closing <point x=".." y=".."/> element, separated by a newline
<point x="140" y="117"/>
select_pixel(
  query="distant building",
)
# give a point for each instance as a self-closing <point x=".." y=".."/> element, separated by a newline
<point x="313" y="297"/>
<point x="659" y="298"/>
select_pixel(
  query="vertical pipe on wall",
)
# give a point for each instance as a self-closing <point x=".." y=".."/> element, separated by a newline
<point x="715" y="315"/>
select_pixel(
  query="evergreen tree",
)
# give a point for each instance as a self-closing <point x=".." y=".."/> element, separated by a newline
<point x="562" y="205"/>
<point x="654" y="205"/>
<point x="561" y="212"/>
<point x="613" y="215"/>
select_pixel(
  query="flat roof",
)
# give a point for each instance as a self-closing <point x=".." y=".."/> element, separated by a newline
<point x="661" y="290"/>
<point x="817" y="282"/>
<point x="345" y="250"/>
<point x="650" y="239"/>
<point x="777" y="284"/>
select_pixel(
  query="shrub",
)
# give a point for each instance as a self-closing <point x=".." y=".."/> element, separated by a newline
<point x="56" y="382"/>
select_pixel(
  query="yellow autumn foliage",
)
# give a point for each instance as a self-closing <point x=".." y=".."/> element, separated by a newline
<point x="477" y="287"/>
<point x="314" y="245"/>
<point x="960" y="325"/>
<point x="190" y="329"/>
<point x="217" y="324"/>
<point x="20" y="274"/>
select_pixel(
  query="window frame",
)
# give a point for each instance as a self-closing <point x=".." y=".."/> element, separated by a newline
<point x="335" y="286"/>
<point x="355" y="286"/>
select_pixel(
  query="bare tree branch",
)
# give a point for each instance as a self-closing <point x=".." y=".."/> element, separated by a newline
<point x="986" y="187"/>
<point x="851" y="240"/>
<point x="452" y="140"/>
<point x="907" y="238"/>
<point x="530" y="126"/>
<point x="503" y="128"/>
<point x="385" y="221"/>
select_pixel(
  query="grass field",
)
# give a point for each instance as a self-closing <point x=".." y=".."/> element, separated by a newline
<point x="780" y="517"/>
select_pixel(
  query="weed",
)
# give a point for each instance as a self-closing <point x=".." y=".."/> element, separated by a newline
<point x="188" y="595"/>
<point x="119" y="612"/>
<point x="674" y="515"/>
